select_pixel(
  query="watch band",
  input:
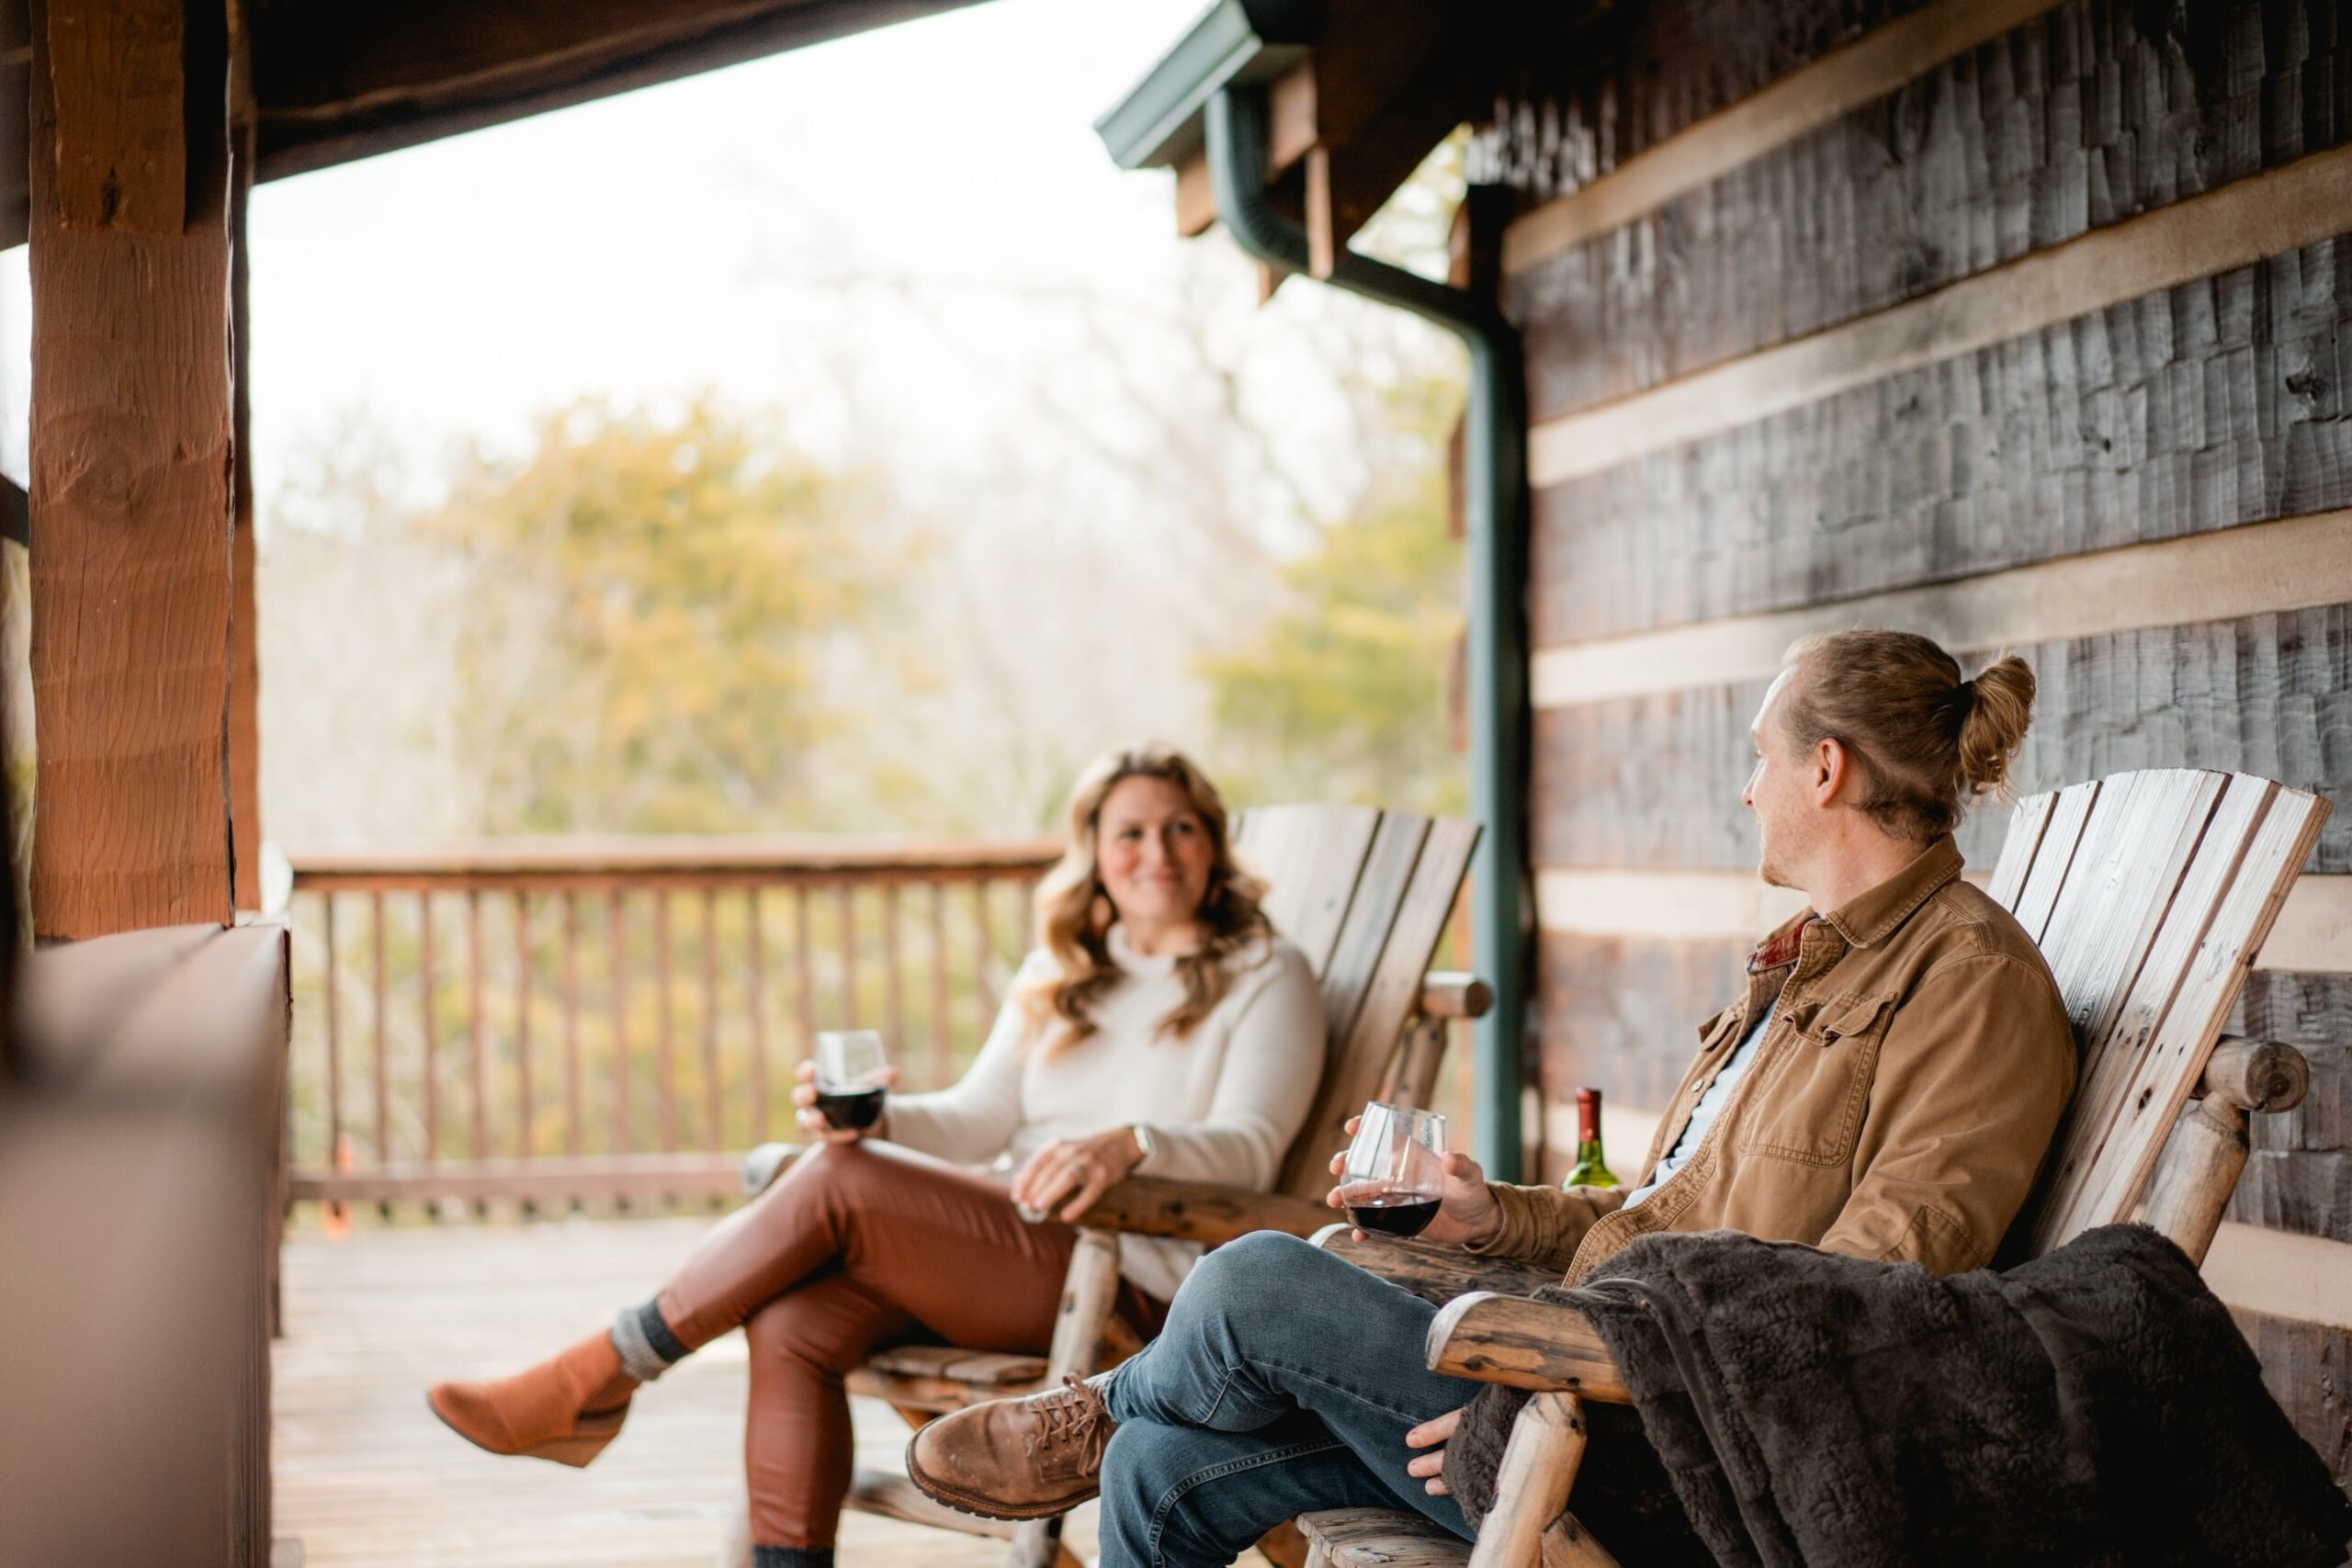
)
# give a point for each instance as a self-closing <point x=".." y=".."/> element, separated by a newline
<point x="1144" y="1141"/>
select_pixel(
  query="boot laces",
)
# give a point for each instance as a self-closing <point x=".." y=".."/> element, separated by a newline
<point x="1076" y="1415"/>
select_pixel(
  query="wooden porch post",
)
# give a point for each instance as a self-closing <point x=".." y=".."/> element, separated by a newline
<point x="245" y="665"/>
<point x="132" y="578"/>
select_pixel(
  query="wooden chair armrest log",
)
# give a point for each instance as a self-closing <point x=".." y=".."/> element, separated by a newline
<point x="1491" y="1337"/>
<point x="1433" y="1272"/>
<point x="1206" y="1212"/>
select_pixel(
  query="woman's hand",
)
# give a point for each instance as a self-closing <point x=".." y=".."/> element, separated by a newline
<point x="1433" y="1436"/>
<point x="1467" y="1211"/>
<point x="812" y="1121"/>
<point x="1077" y="1169"/>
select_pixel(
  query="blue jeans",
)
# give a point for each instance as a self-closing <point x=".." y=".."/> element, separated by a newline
<point x="1285" y="1380"/>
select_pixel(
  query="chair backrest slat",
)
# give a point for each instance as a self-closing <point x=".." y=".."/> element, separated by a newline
<point x="2020" y="849"/>
<point x="2149" y="893"/>
<point x="1309" y="857"/>
<point x="2155" y="1054"/>
<point x="1364" y="894"/>
<point x="2070" y="809"/>
<point x="1358" y="1061"/>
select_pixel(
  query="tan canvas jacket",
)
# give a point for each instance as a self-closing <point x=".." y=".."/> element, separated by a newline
<point x="1896" y="1108"/>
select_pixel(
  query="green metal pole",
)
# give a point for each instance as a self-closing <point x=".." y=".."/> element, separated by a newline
<point x="1494" y="494"/>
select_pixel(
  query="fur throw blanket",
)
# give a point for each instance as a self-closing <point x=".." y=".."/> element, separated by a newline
<point x="2093" y="1406"/>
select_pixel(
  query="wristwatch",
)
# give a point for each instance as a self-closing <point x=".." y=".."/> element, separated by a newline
<point x="1144" y="1141"/>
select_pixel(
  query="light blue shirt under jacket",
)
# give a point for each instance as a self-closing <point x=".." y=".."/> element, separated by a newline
<point x="1702" y="1116"/>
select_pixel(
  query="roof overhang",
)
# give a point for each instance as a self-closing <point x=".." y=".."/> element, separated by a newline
<point x="1158" y="124"/>
<point x="338" y="80"/>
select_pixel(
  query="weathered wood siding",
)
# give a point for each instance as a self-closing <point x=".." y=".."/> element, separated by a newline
<point x="2090" y="418"/>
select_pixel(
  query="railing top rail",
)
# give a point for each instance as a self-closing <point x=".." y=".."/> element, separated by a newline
<point x="683" y="857"/>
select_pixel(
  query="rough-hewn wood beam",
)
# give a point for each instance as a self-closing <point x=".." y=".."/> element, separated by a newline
<point x="130" y="462"/>
<point x="339" y="82"/>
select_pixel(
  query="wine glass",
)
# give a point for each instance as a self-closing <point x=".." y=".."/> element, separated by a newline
<point x="1394" y="1172"/>
<point x="850" y="1076"/>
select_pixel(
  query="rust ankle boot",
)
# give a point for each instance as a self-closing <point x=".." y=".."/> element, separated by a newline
<point x="565" y="1409"/>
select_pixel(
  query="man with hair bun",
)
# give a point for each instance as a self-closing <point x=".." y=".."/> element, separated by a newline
<point x="1884" y="1086"/>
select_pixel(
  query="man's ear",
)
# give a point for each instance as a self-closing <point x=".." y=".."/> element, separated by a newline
<point x="1830" y="767"/>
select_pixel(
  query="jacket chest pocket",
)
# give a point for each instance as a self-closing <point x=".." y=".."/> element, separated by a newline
<point x="1809" y="1106"/>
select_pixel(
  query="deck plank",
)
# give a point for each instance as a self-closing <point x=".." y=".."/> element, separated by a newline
<point x="365" y="1475"/>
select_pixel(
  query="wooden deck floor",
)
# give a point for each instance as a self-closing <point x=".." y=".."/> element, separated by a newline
<point x="365" y="1475"/>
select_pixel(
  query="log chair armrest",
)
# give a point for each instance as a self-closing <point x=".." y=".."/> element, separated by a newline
<point x="1449" y="994"/>
<point x="1491" y="1337"/>
<point x="2255" y="1075"/>
<point x="1433" y="1271"/>
<point x="1204" y="1211"/>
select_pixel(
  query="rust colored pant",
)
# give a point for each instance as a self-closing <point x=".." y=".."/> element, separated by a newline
<point x="853" y="1248"/>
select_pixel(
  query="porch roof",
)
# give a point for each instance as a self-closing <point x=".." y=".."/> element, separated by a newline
<point x="338" y="80"/>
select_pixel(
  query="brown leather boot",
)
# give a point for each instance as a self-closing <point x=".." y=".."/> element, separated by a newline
<point x="1016" y="1458"/>
<point x="565" y="1409"/>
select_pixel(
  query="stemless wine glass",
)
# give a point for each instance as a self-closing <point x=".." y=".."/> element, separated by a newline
<point x="850" y="1067"/>
<point x="1396" y="1171"/>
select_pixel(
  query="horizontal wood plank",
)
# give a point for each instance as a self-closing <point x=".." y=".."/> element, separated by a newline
<point x="1654" y="782"/>
<point x="2291" y="564"/>
<point x="2263" y="215"/>
<point x="2074" y="121"/>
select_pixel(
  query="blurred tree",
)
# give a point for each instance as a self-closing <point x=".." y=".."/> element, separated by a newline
<point x="1341" y="695"/>
<point x="652" y="597"/>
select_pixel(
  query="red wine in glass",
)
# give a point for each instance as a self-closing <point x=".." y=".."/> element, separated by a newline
<point x="1392" y="1213"/>
<point x="850" y="1066"/>
<point x="1395" y="1171"/>
<point x="845" y="1109"/>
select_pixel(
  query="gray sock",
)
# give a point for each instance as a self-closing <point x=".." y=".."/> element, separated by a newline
<point x="647" y="1347"/>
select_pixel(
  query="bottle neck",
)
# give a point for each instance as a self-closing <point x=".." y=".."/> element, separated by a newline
<point x="1588" y="1123"/>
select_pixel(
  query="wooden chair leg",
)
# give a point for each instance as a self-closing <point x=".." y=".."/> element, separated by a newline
<point x="1089" y="1292"/>
<point x="1285" y="1546"/>
<point x="2198" y="1170"/>
<point x="1567" y="1544"/>
<point x="1531" y="1486"/>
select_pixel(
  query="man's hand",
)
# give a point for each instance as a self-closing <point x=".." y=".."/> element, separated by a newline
<point x="1433" y="1436"/>
<point x="1078" y="1170"/>
<point x="1467" y="1211"/>
<point x="812" y="1121"/>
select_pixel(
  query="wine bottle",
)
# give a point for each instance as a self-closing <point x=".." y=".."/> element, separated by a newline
<point x="1591" y="1170"/>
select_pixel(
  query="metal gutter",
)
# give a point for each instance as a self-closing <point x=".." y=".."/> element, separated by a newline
<point x="1494" y="470"/>
<point x="1158" y="123"/>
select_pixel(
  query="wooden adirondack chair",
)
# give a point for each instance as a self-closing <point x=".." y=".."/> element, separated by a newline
<point x="1365" y="895"/>
<point x="2150" y="894"/>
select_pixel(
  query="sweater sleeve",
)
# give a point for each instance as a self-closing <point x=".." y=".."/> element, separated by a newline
<point x="1274" y="1060"/>
<point x="973" y="1120"/>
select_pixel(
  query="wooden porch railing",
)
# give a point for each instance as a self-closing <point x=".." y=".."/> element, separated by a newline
<point x="619" y="1019"/>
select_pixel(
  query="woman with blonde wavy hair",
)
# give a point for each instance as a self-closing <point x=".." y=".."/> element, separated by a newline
<point x="1162" y="1025"/>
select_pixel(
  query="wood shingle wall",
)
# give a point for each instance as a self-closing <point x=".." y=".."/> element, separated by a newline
<point x="2027" y="325"/>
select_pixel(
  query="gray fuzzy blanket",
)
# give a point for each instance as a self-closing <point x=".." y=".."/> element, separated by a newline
<point x="2094" y="1407"/>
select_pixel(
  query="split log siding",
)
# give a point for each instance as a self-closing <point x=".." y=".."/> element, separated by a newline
<point x="2200" y="408"/>
<point x="2080" y="118"/>
<point x="2216" y="403"/>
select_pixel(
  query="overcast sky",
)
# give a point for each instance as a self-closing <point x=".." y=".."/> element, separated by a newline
<point x="712" y="231"/>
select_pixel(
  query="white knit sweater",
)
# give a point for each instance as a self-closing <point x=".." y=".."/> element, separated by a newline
<point x="1223" y="1102"/>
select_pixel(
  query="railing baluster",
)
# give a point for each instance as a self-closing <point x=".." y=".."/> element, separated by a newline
<point x="755" y="1005"/>
<point x="432" y="1028"/>
<point x="383" y="1150"/>
<point x="714" y="1132"/>
<point x="571" y="1140"/>
<point x="665" y="1045"/>
<point x="478" y="1081"/>
<point x="522" y="1024"/>
<point x="619" y="981"/>
<point x="894" y="1001"/>
<point x="846" y="910"/>
<point x="983" y="954"/>
<point x="804" y="970"/>
<point x="942" y="1047"/>
<point x="334" y="1035"/>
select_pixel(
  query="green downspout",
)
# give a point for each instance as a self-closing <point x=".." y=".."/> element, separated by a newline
<point x="1493" y="469"/>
